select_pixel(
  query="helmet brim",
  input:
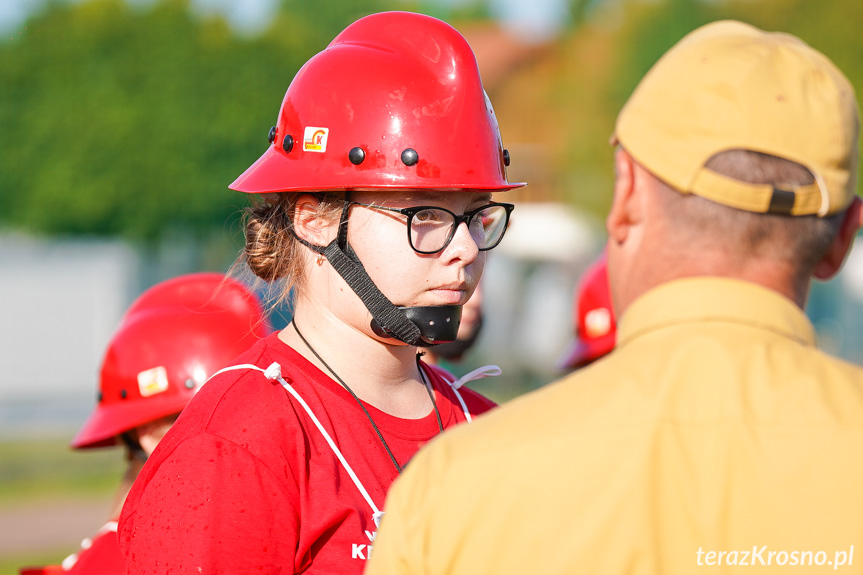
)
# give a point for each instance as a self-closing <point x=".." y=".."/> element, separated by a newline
<point x="272" y="170"/>
<point x="108" y="421"/>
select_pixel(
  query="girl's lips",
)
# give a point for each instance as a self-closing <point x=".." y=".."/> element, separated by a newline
<point x="453" y="293"/>
<point x="449" y="296"/>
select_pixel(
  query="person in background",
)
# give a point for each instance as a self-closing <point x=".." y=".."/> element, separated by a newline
<point x="716" y="437"/>
<point x="595" y="324"/>
<point x="170" y="340"/>
<point x="374" y="214"/>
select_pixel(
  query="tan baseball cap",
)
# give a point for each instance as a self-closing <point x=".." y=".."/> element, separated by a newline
<point x="729" y="85"/>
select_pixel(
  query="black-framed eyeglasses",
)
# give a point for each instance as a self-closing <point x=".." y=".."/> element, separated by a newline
<point x="430" y="228"/>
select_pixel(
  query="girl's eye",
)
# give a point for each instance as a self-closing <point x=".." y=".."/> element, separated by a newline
<point x="430" y="217"/>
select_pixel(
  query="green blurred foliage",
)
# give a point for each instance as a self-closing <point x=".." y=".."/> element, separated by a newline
<point x="132" y="121"/>
<point x="34" y="469"/>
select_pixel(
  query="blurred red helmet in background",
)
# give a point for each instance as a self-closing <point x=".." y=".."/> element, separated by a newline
<point x="595" y="323"/>
<point x="172" y="338"/>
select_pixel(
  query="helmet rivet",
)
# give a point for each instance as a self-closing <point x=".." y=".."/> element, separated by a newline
<point x="271" y="137"/>
<point x="190" y="384"/>
<point x="506" y="157"/>
<point x="123" y="394"/>
<point x="288" y="144"/>
<point x="410" y="157"/>
<point x="356" y="156"/>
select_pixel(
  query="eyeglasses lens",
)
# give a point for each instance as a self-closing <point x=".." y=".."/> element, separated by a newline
<point x="493" y="220"/>
<point x="431" y="229"/>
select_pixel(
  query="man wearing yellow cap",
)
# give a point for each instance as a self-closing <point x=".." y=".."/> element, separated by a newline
<point x="716" y="436"/>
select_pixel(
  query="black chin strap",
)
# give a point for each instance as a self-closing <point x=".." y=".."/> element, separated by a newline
<point x="392" y="319"/>
<point x="417" y="326"/>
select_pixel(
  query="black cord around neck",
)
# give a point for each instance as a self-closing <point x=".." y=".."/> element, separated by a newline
<point x="360" y="403"/>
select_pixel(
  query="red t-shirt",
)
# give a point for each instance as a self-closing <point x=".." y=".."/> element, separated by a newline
<point x="101" y="555"/>
<point x="246" y="483"/>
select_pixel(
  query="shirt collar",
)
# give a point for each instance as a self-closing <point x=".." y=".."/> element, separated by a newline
<point x="702" y="299"/>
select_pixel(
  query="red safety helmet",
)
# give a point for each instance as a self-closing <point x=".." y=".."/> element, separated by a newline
<point x="172" y="338"/>
<point x="595" y="324"/>
<point x="394" y="102"/>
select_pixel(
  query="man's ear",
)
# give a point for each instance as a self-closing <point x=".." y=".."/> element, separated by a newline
<point x="832" y="261"/>
<point x="623" y="211"/>
<point x="309" y="224"/>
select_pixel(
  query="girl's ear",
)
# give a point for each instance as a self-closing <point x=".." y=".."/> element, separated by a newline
<point x="309" y="224"/>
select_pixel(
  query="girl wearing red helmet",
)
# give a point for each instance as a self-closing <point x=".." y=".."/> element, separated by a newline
<point x="172" y="338"/>
<point x="375" y="212"/>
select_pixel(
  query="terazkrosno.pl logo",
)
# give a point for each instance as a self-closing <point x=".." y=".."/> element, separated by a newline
<point x="758" y="556"/>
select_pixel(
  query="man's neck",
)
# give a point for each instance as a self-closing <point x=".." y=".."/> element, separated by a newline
<point x="767" y="273"/>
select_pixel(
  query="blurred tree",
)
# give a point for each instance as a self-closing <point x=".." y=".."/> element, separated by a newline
<point x="132" y="120"/>
<point x="648" y="30"/>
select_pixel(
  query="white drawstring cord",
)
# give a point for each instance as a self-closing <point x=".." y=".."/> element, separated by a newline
<point x="274" y="372"/>
<point x="478" y="373"/>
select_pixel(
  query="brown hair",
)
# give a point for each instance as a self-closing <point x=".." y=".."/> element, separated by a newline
<point x="272" y="251"/>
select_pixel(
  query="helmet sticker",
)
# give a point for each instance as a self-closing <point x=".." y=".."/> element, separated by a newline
<point x="153" y="381"/>
<point x="597" y="322"/>
<point x="315" y="139"/>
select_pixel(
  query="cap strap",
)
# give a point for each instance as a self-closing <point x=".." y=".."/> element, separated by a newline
<point x="761" y="198"/>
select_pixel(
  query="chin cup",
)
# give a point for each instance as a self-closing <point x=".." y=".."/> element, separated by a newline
<point x="437" y="324"/>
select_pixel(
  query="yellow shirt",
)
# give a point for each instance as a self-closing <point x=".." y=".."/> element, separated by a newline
<point x="715" y="438"/>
